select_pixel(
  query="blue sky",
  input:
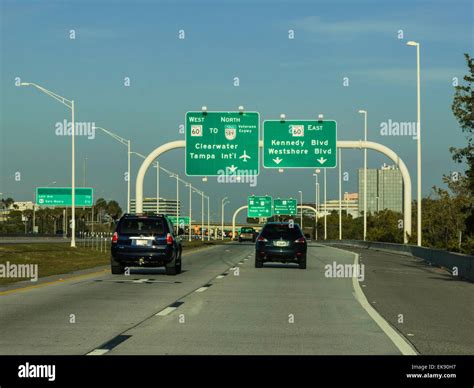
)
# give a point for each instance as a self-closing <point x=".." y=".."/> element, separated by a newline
<point x="300" y="77"/>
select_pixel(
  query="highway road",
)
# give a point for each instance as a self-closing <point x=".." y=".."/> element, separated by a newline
<point x="220" y="304"/>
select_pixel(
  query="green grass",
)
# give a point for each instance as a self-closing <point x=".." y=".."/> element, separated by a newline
<point x="60" y="258"/>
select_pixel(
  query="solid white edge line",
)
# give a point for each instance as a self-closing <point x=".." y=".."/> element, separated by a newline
<point x="166" y="311"/>
<point x="401" y="343"/>
<point x="201" y="289"/>
<point x="98" y="352"/>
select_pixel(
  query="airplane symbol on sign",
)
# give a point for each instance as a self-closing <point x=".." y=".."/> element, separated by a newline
<point x="245" y="156"/>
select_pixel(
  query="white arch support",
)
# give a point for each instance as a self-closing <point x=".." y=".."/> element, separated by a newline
<point x="340" y="144"/>
<point x="245" y="207"/>
<point x="405" y="175"/>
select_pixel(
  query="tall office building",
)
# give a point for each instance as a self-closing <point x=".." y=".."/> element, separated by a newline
<point x="166" y="206"/>
<point x="384" y="189"/>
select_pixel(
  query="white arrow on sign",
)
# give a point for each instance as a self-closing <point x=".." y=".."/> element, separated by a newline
<point x="321" y="160"/>
<point x="232" y="168"/>
<point x="277" y="160"/>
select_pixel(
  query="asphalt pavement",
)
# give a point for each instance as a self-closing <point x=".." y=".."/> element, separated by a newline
<point x="432" y="308"/>
<point x="220" y="304"/>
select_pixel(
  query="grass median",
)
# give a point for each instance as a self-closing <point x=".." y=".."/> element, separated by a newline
<point x="60" y="258"/>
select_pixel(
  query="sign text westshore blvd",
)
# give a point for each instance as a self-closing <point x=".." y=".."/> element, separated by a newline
<point x="299" y="144"/>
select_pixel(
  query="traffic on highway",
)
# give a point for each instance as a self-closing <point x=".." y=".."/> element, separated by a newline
<point x="236" y="189"/>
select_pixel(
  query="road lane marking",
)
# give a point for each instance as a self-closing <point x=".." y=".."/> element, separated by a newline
<point x="220" y="277"/>
<point x="168" y="310"/>
<point x="203" y="288"/>
<point x="98" y="352"/>
<point x="401" y="343"/>
<point x="27" y="288"/>
<point x="109" y="345"/>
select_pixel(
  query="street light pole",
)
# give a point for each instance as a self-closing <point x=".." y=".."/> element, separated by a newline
<point x="340" y="191"/>
<point x="177" y="204"/>
<point x="190" y="209"/>
<point x="157" y="187"/>
<point x="301" y="208"/>
<point x="325" y="209"/>
<point x="208" y="220"/>
<point x="69" y="104"/>
<point x="418" y="143"/>
<point x="222" y="216"/>
<point x="365" y="174"/>
<point x="202" y="215"/>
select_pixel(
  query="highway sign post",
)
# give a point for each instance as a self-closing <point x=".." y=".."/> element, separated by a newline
<point x="259" y="206"/>
<point x="285" y="207"/>
<point x="299" y="144"/>
<point x="62" y="196"/>
<point x="184" y="220"/>
<point x="222" y="143"/>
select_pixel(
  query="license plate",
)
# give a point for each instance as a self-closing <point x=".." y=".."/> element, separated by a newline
<point x="142" y="243"/>
<point x="281" y="243"/>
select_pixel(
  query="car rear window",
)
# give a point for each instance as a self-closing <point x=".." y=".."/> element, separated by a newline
<point x="284" y="231"/>
<point x="246" y="230"/>
<point x="142" y="226"/>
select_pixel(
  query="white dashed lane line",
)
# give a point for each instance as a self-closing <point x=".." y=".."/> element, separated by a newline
<point x="168" y="310"/>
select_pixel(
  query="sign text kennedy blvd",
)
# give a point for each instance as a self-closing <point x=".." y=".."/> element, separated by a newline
<point x="284" y="206"/>
<point x="222" y="143"/>
<point x="299" y="144"/>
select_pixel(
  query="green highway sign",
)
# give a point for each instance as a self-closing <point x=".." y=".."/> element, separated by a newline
<point x="62" y="196"/>
<point x="222" y="143"/>
<point x="181" y="220"/>
<point x="285" y="207"/>
<point x="259" y="206"/>
<point x="299" y="144"/>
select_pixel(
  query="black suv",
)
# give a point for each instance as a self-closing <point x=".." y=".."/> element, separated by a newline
<point x="281" y="241"/>
<point x="145" y="241"/>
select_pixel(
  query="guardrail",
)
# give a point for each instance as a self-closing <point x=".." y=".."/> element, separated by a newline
<point x="452" y="261"/>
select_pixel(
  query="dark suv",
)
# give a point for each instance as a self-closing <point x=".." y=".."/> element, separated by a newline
<point x="145" y="241"/>
<point x="282" y="242"/>
<point x="247" y="234"/>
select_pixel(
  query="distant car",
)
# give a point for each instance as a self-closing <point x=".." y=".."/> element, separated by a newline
<point x="145" y="241"/>
<point x="247" y="234"/>
<point x="281" y="242"/>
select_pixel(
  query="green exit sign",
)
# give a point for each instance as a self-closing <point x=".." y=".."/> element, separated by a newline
<point x="299" y="144"/>
<point x="62" y="196"/>
<point x="259" y="206"/>
<point x="222" y="143"/>
<point x="285" y="206"/>
<point x="181" y="220"/>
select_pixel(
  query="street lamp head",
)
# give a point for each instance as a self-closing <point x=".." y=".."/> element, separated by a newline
<point x="412" y="43"/>
<point x="25" y="84"/>
<point x="362" y="111"/>
<point x="318" y="170"/>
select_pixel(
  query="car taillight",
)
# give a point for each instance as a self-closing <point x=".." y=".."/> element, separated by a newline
<point x="169" y="239"/>
<point x="300" y="240"/>
<point x="262" y="239"/>
<point x="115" y="238"/>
